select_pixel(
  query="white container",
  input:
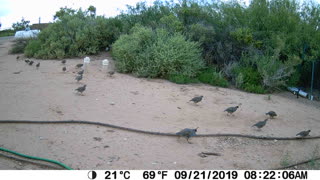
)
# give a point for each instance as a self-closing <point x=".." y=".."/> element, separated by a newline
<point x="86" y="60"/>
<point x="301" y="93"/>
<point x="105" y="62"/>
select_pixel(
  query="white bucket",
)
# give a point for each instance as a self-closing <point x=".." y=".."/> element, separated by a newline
<point x="86" y="60"/>
<point x="105" y="62"/>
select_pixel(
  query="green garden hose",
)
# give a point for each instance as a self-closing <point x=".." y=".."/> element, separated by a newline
<point x="36" y="158"/>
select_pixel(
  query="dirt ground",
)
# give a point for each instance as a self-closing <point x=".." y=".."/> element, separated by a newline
<point x="146" y="104"/>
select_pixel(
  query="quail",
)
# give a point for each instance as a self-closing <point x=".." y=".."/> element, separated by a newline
<point x="18" y="57"/>
<point x="272" y="114"/>
<point x="303" y="133"/>
<point x="81" y="72"/>
<point x="63" y="61"/>
<point x="81" y="89"/>
<point x="64" y="69"/>
<point x="187" y="133"/>
<point x="231" y="110"/>
<point x="111" y="73"/>
<point x="261" y="124"/>
<point x="30" y="63"/>
<point x="38" y="65"/>
<point x="27" y="61"/>
<point x="197" y="99"/>
<point x="79" y="78"/>
<point x="79" y="65"/>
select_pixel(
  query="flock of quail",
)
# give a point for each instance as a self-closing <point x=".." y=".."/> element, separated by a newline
<point x="188" y="133"/>
<point x="78" y="78"/>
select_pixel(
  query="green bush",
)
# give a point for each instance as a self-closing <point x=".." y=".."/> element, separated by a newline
<point x="8" y="32"/>
<point x="18" y="46"/>
<point x="212" y="77"/>
<point x="254" y="88"/>
<point x="127" y="48"/>
<point x="181" y="79"/>
<point x="148" y="53"/>
<point x="32" y="47"/>
<point x="75" y="33"/>
<point x="248" y="79"/>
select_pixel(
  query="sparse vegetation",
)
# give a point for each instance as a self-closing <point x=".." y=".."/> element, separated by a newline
<point x="18" y="46"/>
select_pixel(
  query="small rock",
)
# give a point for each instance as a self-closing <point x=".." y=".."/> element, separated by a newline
<point x="275" y="140"/>
<point x="112" y="103"/>
<point x="174" y="162"/>
<point x="97" y="138"/>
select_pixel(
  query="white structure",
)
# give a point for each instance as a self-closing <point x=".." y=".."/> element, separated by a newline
<point x="27" y="34"/>
<point x="105" y="62"/>
<point x="86" y="60"/>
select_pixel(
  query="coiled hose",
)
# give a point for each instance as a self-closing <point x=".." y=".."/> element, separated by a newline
<point x="36" y="158"/>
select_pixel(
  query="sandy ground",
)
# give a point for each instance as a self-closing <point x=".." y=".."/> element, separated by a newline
<point x="154" y="105"/>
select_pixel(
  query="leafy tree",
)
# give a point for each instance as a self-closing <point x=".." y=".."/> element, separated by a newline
<point x="22" y="25"/>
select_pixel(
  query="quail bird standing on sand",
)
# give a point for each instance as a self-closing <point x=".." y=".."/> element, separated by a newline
<point x="27" y="61"/>
<point x="81" y="89"/>
<point x="111" y="73"/>
<point x="30" y="63"/>
<point x="231" y="110"/>
<point x="79" y="65"/>
<point x="187" y="133"/>
<point x="64" y="69"/>
<point x="81" y="72"/>
<point x="272" y="114"/>
<point x="63" y="61"/>
<point x="197" y="99"/>
<point x="261" y="124"/>
<point x="78" y="78"/>
<point x="303" y="133"/>
<point x="38" y="65"/>
<point x="18" y="57"/>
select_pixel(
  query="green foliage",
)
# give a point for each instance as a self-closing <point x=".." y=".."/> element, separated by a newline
<point x="128" y="47"/>
<point x="5" y="33"/>
<point x="212" y="77"/>
<point x="18" y="46"/>
<point x="148" y="53"/>
<point x="181" y="79"/>
<point x="34" y="45"/>
<point x="18" y="26"/>
<point x="75" y="33"/>
<point x="258" y="47"/>
<point x="249" y="79"/>
<point x="253" y="88"/>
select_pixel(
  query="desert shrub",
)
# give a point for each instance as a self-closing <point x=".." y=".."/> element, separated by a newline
<point x="33" y="46"/>
<point x="294" y="79"/>
<point x="148" y="53"/>
<point x="212" y="77"/>
<point x="254" y="88"/>
<point x="18" y="46"/>
<point x="274" y="73"/>
<point x="75" y="33"/>
<point x="127" y="48"/>
<point x="181" y="79"/>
